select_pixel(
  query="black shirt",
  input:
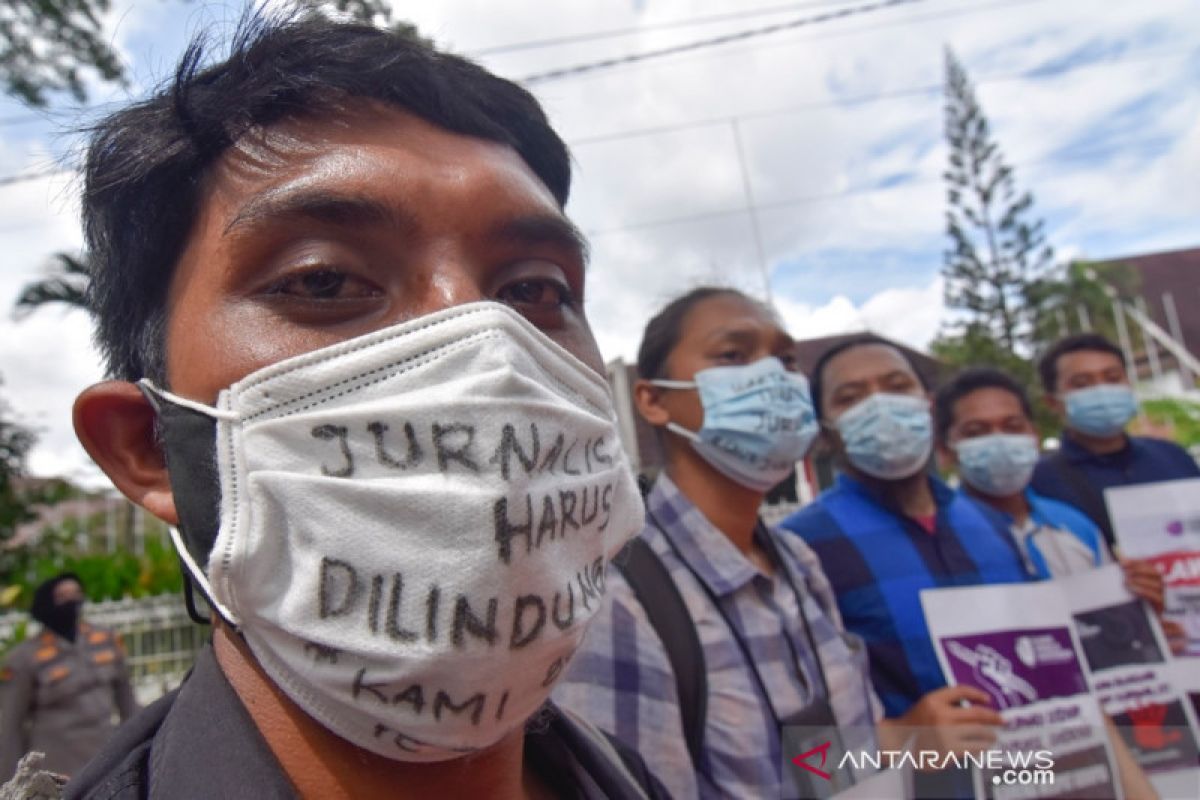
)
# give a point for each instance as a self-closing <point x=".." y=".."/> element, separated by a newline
<point x="200" y="742"/>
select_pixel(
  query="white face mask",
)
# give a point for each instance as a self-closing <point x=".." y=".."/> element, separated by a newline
<point x="415" y="525"/>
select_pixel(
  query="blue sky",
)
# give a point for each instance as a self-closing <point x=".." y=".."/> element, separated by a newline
<point x="1096" y="105"/>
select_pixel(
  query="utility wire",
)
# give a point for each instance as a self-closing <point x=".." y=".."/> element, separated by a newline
<point x="593" y="36"/>
<point x="1036" y="73"/>
<point x="844" y="193"/>
<point x="597" y="35"/>
<point x="737" y="36"/>
<point x="852" y="31"/>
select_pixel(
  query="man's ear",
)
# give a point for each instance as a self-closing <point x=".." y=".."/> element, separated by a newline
<point x="648" y="399"/>
<point x="115" y="423"/>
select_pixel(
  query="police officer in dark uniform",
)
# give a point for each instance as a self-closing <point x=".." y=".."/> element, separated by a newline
<point x="64" y="687"/>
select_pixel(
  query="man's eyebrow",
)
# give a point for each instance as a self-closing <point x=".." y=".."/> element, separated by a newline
<point x="318" y="205"/>
<point x="536" y="229"/>
<point x="733" y="333"/>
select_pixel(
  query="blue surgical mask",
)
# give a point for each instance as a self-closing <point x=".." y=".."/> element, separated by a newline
<point x="1101" y="410"/>
<point x="758" y="420"/>
<point x="999" y="465"/>
<point x="887" y="436"/>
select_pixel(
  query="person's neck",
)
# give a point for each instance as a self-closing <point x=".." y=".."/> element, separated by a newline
<point x="1015" y="505"/>
<point x="729" y="506"/>
<point x="1099" y="445"/>
<point x="912" y="495"/>
<point x="321" y="764"/>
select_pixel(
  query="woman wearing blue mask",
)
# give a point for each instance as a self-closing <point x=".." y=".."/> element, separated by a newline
<point x="763" y="646"/>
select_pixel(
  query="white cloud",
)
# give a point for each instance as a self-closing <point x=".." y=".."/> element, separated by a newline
<point x="908" y="314"/>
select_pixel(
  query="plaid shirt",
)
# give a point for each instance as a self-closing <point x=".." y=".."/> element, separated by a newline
<point x="621" y="679"/>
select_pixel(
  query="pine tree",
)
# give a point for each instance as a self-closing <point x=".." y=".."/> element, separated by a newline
<point x="998" y="252"/>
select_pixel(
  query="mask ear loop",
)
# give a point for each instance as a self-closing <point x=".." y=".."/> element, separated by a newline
<point x="189" y="598"/>
<point x="667" y="384"/>
<point x="151" y="390"/>
<point x="193" y="576"/>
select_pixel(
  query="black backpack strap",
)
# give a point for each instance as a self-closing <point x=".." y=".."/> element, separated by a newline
<point x="669" y="616"/>
<point x="1091" y="498"/>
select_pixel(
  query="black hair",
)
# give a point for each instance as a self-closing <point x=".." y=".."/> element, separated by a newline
<point x="816" y="381"/>
<point x="145" y="166"/>
<point x="663" y="330"/>
<point x="1048" y="364"/>
<point x="972" y="380"/>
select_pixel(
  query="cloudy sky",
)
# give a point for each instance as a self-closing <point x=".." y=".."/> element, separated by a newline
<point x="1097" y="105"/>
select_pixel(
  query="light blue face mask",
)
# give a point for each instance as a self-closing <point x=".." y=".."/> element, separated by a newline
<point x="999" y="465"/>
<point x="758" y="420"/>
<point x="887" y="436"/>
<point x="1101" y="410"/>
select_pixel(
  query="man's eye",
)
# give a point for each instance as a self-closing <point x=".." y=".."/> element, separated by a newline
<point x="790" y="361"/>
<point x="537" y="293"/>
<point x="323" y="284"/>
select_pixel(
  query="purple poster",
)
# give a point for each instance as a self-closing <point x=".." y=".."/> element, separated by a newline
<point x="1017" y="667"/>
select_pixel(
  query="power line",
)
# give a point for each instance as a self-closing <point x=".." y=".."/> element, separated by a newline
<point x="46" y="114"/>
<point x="752" y="33"/>
<point x="972" y="9"/>
<point x="843" y="194"/>
<point x="593" y="36"/>
<point x="1037" y="73"/>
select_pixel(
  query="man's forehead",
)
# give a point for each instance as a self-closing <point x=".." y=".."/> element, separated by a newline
<point x="865" y="361"/>
<point x="337" y="144"/>
<point x="1088" y="360"/>
<point x="987" y="401"/>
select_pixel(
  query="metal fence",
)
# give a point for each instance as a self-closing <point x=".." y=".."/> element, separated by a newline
<point x="160" y="639"/>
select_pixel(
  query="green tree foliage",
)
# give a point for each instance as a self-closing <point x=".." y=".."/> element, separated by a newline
<point x="1081" y="285"/>
<point x="47" y="45"/>
<point x="1182" y="416"/>
<point x="66" y="283"/>
<point x="15" y="443"/>
<point x="80" y="545"/>
<point x="997" y="251"/>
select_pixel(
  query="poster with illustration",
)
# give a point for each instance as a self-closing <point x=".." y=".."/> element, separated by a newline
<point x="1132" y="676"/>
<point x="1161" y="522"/>
<point x="1017" y="643"/>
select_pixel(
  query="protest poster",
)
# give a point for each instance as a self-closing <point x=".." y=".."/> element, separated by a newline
<point x="1134" y="678"/>
<point x="1018" y="644"/>
<point x="1161" y="522"/>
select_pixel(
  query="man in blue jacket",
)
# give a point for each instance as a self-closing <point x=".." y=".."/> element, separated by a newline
<point x="1087" y="384"/>
<point x="985" y="428"/>
<point x="888" y="528"/>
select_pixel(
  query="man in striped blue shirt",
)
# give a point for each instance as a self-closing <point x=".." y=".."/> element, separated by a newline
<point x="888" y="528"/>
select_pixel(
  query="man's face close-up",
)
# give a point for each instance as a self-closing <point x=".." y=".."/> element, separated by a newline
<point x="321" y="230"/>
<point x="1083" y="369"/>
